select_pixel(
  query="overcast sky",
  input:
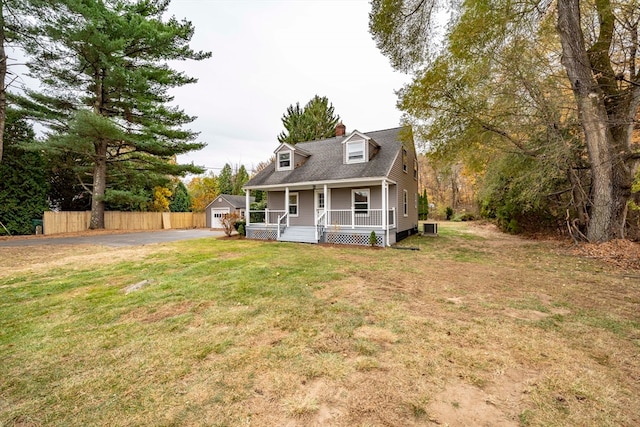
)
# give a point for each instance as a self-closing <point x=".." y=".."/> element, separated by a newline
<point x="268" y="54"/>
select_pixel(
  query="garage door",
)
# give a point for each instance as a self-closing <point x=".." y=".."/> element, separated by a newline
<point x="216" y="216"/>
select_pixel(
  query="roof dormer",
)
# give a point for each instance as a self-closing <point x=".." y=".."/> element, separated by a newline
<point x="289" y="157"/>
<point x="358" y="148"/>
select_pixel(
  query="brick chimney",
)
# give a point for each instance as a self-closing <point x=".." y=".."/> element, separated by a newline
<point x="341" y="129"/>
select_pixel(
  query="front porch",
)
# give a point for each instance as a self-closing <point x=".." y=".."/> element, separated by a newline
<point x="341" y="213"/>
<point x="339" y="226"/>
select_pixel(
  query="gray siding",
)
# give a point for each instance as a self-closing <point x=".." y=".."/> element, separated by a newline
<point x="305" y="209"/>
<point x="406" y="181"/>
<point x="305" y="206"/>
<point x="340" y="198"/>
<point x="218" y="203"/>
<point x="275" y="200"/>
<point x="298" y="160"/>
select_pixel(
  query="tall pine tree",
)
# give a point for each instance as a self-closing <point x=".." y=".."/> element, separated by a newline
<point x="239" y="179"/>
<point x="225" y="180"/>
<point x="106" y="95"/>
<point x="316" y="121"/>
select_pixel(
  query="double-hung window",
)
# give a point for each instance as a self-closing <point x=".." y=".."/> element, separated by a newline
<point x="360" y="201"/>
<point x="355" y="152"/>
<point x="284" y="160"/>
<point x="405" y="202"/>
<point x="404" y="160"/>
<point x="293" y="204"/>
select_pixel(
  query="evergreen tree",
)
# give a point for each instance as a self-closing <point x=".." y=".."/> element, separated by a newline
<point x="23" y="179"/>
<point x="225" y="180"/>
<point x="293" y="122"/>
<point x="423" y="205"/>
<point x="240" y="178"/>
<point x="14" y="15"/>
<point x="320" y="118"/>
<point x="181" y="201"/>
<point x="103" y="65"/>
<point x="67" y="191"/>
<point x="316" y="121"/>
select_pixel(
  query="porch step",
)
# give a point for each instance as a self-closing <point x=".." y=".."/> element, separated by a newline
<point x="302" y="234"/>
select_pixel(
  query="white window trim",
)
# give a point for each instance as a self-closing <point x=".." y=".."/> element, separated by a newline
<point x="353" y="200"/>
<point x="405" y="160"/>
<point x="296" y="204"/>
<point x="405" y="203"/>
<point x="364" y="151"/>
<point x="285" y="168"/>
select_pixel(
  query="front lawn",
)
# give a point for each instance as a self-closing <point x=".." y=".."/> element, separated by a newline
<point x="475" y="328"/>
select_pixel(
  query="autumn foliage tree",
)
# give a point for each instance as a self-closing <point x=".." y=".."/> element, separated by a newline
<point x="203" y="190"/>
<point x="161" y="200"/>
<point x="537" y="97"/>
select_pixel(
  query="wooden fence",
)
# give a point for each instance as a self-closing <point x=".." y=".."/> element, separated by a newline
<point x="69" y="222"/>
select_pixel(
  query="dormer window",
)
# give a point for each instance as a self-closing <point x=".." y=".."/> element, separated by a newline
<point x="289" y="157"/>
<point x="284" y="160"/>
<point x="358" y="148"/>
<point x="355" y="151"/>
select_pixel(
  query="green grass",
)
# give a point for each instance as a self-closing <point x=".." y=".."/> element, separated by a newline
<point x="262" y="333"/>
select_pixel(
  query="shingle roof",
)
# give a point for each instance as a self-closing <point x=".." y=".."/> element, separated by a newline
<point x="238" y="202"/>
<point x="325" y="161"/>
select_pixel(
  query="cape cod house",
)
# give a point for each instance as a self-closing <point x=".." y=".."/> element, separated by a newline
<point x="339" y="190"/>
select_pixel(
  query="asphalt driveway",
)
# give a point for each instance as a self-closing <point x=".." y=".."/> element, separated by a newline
<point x="115" y="240"/>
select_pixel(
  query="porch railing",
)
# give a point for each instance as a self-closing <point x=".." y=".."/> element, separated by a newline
<point x="320" y="223"/>
<point x="267" y="216"/>
<point x="354" y="218"/>
<point x="344" y="218"/>
<point x="280" y="225"/>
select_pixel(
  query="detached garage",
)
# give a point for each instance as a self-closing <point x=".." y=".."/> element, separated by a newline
<point x="224" y="204"/>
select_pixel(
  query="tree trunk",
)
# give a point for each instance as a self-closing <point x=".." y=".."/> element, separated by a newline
<point x="100" y="164"/>
<point x="611" y="170"/>
<point x="99" y="186"/>
<point x="3" y="76"/>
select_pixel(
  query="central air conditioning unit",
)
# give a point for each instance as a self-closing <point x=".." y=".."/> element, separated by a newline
<point x="430" y="228"/>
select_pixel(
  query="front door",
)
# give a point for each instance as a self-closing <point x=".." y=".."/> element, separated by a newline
<point x="319" y="203"/>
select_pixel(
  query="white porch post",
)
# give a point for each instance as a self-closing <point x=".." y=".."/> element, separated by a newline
<point x="326" y="204"/>
<point x="353" y="217"/>
<point x="247" y="211"/>
<point x="286" y="204"/>
<point x="384" y="205"/>
<point x="386" y="214"/>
